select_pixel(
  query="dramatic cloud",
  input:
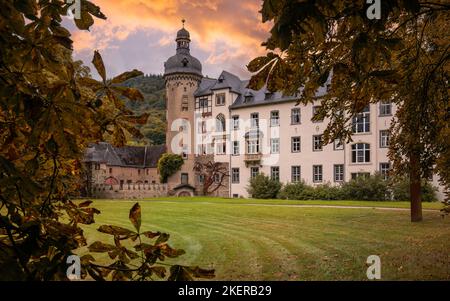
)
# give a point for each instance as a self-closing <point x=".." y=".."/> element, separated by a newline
<point x="226" y="34"/>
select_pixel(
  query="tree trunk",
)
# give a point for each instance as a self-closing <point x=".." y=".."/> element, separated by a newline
<point x="415" y="189"/>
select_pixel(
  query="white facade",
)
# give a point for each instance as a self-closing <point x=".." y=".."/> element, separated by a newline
<point x="278" y="152"/>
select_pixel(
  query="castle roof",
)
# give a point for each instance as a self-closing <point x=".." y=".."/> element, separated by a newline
<point x="247" y="97"/>
<point x="127" y="156"/>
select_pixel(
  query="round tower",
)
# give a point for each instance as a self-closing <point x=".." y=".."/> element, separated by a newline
<point x="183" y="74"/>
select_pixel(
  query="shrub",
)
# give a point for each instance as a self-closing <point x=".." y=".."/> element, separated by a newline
<point x="370" y="188"/>
<point x="263" y="187"/>
<point x="168" y="165"/>
<point x="400" y="190"/>
<point x="302" y="191"/>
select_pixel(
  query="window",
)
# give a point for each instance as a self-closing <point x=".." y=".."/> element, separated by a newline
<point x="235" y="120"/>
<point x="275" y="145"/>
<point x="221" y="148"/>
<point x="110" y="170"/>
<point x="361" y="153"/>
<point x="203" y="104"/>
<point x="268" y="95"/>
<point x="275" y="173"/>
<point x="295" y="116"/>
<point x="121" y="185"/>
<point x="274" y="118"/>
<point x="253" y="146"/>
<point x="317" y="143"/>
<point x="235" y="195"/>
<point x="184" y="178"/>
<point x="295" y="144"/>
<point x="139" y="172"/>
<point x="356" y="175"/>
<point x="220" y="99"/>
<point x="201" y="178"/>
<point x="184" y="153"/>
<point x="384" y="138"/>
<point x="254" y="120"/>
<point x="385" y="108"/>
<point x="361" y="121"/>
<point x="339" y="173"/>
<point x="235" y="175"/>
<point x="216" y="178"/>
<point x="295" y="174"/>
<point x="317" y="173"/>
<point x="254" y="171"/>
<point x="97" y="166"/>
<point x="384" y="170"/>
<point x="235" y="148"/>
<point x="185" y="103"/>
<point x="220" y="123"/>
<point x="338" y="145"/>
<point x="314" y="113"/>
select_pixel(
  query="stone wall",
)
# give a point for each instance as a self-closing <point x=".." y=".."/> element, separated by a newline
<point x="132" y="191"/>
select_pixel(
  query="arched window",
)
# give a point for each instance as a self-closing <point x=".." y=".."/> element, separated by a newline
<point x="220" y="123"/>
<point x="361" y="153"/>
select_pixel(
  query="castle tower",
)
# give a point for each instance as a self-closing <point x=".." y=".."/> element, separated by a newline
<point x="182" y="73"/>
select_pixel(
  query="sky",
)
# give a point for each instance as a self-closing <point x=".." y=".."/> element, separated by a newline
<point x="140" y="34"/>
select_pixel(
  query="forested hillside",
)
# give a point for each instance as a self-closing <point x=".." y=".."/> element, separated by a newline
<point x="153" y="89"/>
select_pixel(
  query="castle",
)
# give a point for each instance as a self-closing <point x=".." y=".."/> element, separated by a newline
<point x="228" y="133"/>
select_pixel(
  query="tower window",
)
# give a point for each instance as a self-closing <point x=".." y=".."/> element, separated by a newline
<point x="185" y="103"/>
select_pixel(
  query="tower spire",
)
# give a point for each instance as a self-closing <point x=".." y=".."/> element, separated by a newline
<point x="183" y="21"/>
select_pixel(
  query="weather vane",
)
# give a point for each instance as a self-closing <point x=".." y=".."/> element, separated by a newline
<point x="183" y="21"/>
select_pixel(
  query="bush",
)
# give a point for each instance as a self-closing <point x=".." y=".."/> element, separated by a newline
<point x="400" y="190"/>
<point x="370" y="188"/>
<point x="302" y="191"/>
<point x="263" y="187"/>
<point x="168" y="165"/>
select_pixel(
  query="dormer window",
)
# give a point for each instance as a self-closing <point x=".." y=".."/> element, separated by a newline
<point x="248" y="96"/>
<point x="269" y="95"/>
<point x="185" y="62"/>
<point x="221" y="79"/>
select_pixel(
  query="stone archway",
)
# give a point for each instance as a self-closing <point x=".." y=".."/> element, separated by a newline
<point x="185" y="193"/>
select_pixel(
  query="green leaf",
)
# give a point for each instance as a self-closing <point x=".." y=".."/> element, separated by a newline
<point x="135" y="216"/>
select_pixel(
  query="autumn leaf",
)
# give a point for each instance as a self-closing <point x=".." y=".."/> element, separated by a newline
<point x="135" y="216"/>
<point x="97" y="61"/>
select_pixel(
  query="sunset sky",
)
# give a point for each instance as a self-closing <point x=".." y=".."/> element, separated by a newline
<point x="225" y="34"/>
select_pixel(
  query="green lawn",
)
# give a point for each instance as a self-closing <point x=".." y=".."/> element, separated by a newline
<point x="254" y="240"/>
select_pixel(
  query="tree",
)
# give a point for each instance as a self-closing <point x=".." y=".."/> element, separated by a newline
<point x="50" y="110"/>
<point x="401" y="58"/>
<point x="214" y="175"/>
<point x="168" y="165"/>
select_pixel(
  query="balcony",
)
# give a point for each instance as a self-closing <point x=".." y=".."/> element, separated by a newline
<point x="252" y="159"/>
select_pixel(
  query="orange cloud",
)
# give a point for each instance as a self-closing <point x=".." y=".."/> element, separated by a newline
<point x="212" y="24"/>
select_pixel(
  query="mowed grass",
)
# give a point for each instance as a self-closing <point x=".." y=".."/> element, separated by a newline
<point x="254" y="240"/>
